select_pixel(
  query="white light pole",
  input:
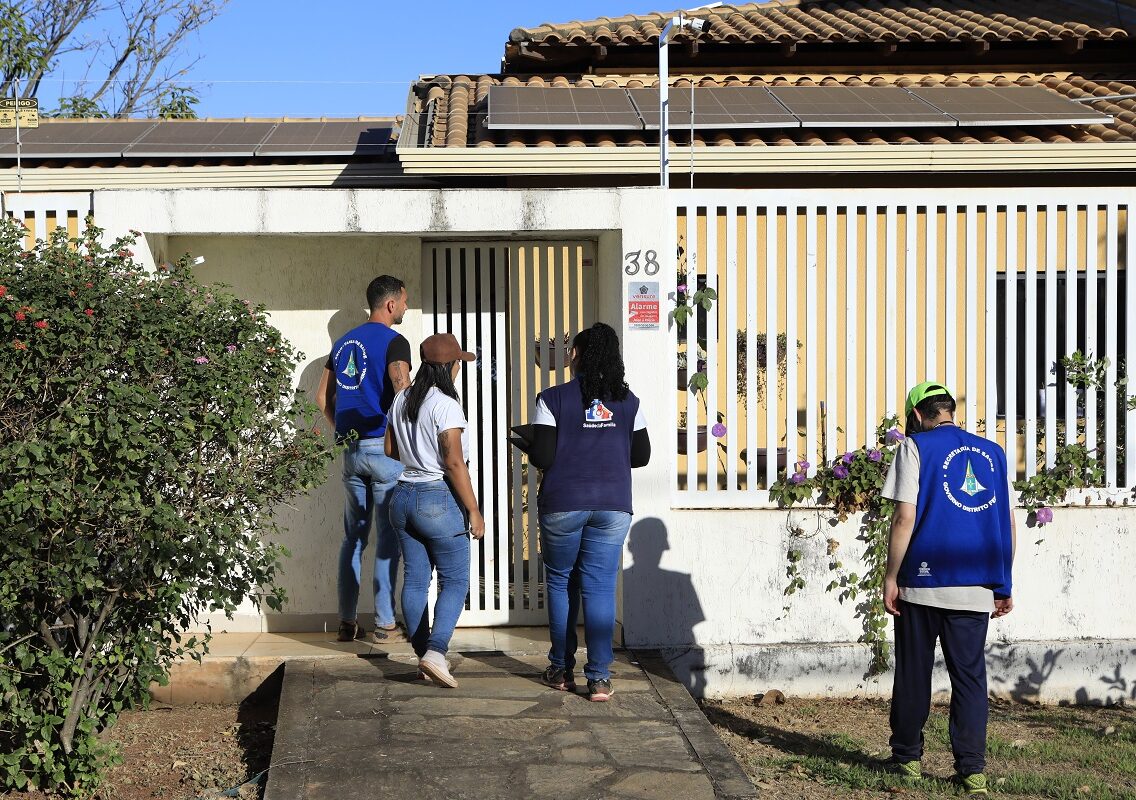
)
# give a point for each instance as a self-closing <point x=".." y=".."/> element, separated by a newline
<point x="676" y="22"/>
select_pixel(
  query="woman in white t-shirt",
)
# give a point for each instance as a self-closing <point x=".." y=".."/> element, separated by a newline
<point x="426" y="432"/>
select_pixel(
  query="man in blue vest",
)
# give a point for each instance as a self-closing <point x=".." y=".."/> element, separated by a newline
<point x="949" y="564"/>
<point x="367" y="367"/>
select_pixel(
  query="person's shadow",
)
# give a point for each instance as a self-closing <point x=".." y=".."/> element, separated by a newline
<point x="661" y="607"/>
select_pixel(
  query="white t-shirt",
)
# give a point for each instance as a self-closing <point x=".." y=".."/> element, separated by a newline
<point x="544" y="417"/>
<point x="418" y="442"/>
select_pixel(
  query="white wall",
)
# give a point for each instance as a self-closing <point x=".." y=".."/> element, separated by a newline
<point x="706" y="586"/>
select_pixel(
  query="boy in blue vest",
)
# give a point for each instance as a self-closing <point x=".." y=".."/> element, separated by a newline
<point x="949" y="564"/>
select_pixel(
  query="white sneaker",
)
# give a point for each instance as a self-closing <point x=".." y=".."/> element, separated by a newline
<point x="434" y="665"/>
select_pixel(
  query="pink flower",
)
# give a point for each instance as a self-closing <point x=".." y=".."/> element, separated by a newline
<point x="797" y="478"/>
<point x="681" y="288"/>
<point x="231" y="348"/>
<point x="3" y="290"/>
<point x="201" y="360"/>
<point x="21" y="316"/>
<point x="1044" y="515"/>
<point x="719" y="430"/>
<point x="90" y="312"/>
<point x="41" y="324"/>
<point x="876" y="456"/>
<point x="894" y="436"/>
<point x="840" y="471"/>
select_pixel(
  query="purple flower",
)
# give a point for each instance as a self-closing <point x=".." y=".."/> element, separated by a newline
<point x="1044" y="515"/>
<point x="840" y="471"/>
<point x="803" y="466"/>
<point x="230" y="348"/>
<point x="681" y="288"/>
<point x="797" y="478"/>
<point x="719" y="430"/>
<point x="876" y="455"/>
<point x="847" y="458"/>
<point x="201" y="360"/>
<point x="894" y="436"/>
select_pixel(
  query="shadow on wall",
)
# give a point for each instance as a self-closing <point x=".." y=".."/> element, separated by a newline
<point x="660" y="606"/>
<point x="312" y="526"/>
<point x="1024" y="677"/>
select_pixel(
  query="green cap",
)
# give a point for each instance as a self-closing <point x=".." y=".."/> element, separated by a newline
<point x="921" y="392"/>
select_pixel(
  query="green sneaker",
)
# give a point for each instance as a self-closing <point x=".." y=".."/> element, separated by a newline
<point x="974" y="784"/>
<point x="908" y="770"/>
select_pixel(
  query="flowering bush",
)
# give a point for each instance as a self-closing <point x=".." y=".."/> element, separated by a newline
<point x="148" y="428"/>
<point x="851" y="484"/>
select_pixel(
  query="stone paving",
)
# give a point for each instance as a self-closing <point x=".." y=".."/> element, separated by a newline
<point x="367" y="727"/>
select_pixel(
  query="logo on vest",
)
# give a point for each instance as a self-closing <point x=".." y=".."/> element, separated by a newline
<point x="597" y="415"/>
<point x="924" y="570"/>
<point x="964" y="480"/>
<point x="354" y="368"/>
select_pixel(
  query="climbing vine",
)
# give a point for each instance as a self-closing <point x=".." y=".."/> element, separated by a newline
<point x="848" y="486"/>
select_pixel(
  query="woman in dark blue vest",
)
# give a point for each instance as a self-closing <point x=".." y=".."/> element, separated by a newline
<point x="588" y="435"/>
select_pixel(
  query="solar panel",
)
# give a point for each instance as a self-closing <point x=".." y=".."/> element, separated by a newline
<point x="858" y="107"/>
<point x="577" y="108"/>
<point x="715" y="107"/>
<point x="339" y="137"/>
<point x="175" y="138"/>
<point x="1008" y="105"/>
<point x="89" y="139"/>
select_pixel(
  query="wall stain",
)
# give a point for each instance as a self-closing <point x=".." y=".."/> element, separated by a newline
<point x="352" y="221"/>
<point x="439" y="219"/>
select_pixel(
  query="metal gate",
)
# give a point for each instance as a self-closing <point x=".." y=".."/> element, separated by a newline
<point x="516" y="305"/>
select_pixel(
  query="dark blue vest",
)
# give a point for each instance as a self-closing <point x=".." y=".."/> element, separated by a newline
<point x="962" y="533"/>
<point x="592" y="467"/>
<point x="359" y="359"/>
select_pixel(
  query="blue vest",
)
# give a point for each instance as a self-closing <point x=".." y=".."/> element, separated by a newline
<point x="592" y="467"/>
<point x="962" y="534"/>
<point x="359" y="360"/>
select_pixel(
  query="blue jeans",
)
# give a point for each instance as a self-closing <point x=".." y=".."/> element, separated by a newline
<point x="369" y="475"/>
<point x="581" y="551"/>
<point x="432" y="530"/>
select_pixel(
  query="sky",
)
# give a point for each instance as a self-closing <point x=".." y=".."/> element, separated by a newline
<point x="344" y="58"/>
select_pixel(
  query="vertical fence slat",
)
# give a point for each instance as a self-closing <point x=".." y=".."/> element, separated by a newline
<point x="851" y="326"/>
<point x="1072" y="270"/>
<point x="692" y="267"/>
<point x="751" y="354"/>
<point x="911" y="297"/>
<point x="832" y="402"/>
<point x="871" y="289"/>
<point x="1051" y="411"/>
<point x="1012" y="355"/>
<point x="771" y="368"/>
<point x="1031" y="341"/>
<point x="731" y="334"/>
<point x="990" y="339"/>
<point x="791" y="370"/>
<point x="1091" y="259"/>
<point x="812" y="453"/>
<point x="1112" y="241"/>
<point x="950" y="308"/>
<point x="499" y="271"/>
<point x="712" y="342"/>
<point x="970" y="234"/>
<point x="931" y="365"/>
<point x="891" y="335"/>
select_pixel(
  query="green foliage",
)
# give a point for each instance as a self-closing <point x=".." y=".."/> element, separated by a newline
<point x="148" y="428"/>
<point x="177" y="103"/>
<point x="79" y="107"/>
<point x="849" y="486"/>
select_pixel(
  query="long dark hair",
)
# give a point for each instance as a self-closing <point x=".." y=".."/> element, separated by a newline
<point x="599" y="365"/>
<point x="428" y="376"/>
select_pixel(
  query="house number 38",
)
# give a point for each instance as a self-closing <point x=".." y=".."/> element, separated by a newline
<point x="650" y="262"/>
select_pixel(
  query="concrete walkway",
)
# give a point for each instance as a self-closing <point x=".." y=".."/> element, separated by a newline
<point x="366" y="726"/>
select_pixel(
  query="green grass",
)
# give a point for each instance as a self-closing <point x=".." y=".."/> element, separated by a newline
<point x="1059" y="754"/>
